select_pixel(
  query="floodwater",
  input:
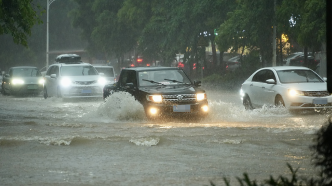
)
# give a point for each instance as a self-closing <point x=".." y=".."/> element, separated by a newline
<point x="92" y="142"/>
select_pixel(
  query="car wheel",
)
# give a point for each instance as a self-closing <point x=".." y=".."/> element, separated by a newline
<point x="279" y="102"/>
<point x="4" y="91"/>
<point x="247" y="103"/>
<point x="45" y="93"/>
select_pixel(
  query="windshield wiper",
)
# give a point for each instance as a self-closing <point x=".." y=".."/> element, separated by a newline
<point x="175" y="81"/>
<point x="152" y="81"/>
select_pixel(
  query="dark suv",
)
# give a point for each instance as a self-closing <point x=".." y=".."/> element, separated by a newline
<point x="162" y="91"/>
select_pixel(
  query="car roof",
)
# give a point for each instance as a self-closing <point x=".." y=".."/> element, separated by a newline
<point x="151" y="68"/>
<point x="72" y="64"/>
<point x="102" y="66"/>
<point x="24" y="67"/>
<point x="287" y="68"/>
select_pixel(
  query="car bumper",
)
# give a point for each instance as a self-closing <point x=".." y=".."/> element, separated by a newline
<point x="82" y="92"/>
<point x="26" y="89"/>
<point x="305" y="102"/>
<point x="191" y="109"/>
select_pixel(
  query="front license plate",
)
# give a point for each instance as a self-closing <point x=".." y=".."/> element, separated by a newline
<point x="32" y="86"/>
<point x="86" y="91"/>
<point x="321" y="101"/>
<point x="181" y="108"/>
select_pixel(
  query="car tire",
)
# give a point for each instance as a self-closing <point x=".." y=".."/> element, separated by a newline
<point x="247" y="103"/>
<point x="3" y="91"/>
<point x="45" y="93"/>
<point x="279" y="102"/>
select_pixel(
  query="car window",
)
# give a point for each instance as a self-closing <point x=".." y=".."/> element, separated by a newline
<point x="166" y="77"/>
<point x="259" y="76"/>
<point x="128" y="76"/>
<point x="270" y="75"/>
<point x="49" y="71"/>
<point x="298" y="76"/>
<point x="78" y="71"/>
<point x="108" y="72"/>
<point x="24" y="72"/>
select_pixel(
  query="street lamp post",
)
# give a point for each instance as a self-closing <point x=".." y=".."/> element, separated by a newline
<point x="49" y="2"/>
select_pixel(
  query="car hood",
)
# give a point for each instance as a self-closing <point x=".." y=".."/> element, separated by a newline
<point x="83" y="78"/>
<point x="185" y="89"/>
<point x="29" y="80"/>
<point x="321" y="86"/>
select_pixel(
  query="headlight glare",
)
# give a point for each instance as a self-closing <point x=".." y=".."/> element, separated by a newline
<point x="102" y="81"/>
<point x="155" y="98"/>
<point x="200" y="96"/>
<point x="17" y="82"/>
<point x="293" y="92"/>
<point x="41" y="81"/>
<point x="65" y="82"/>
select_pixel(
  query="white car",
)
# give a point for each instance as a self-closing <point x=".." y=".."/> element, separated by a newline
<point x="73" y="79"/>
<point x="292" y="56"/>
<point x="107" y="72"/>
<point x="288" y="86"/>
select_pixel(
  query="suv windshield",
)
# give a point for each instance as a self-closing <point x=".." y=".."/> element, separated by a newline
<point x="25" y="72"/>
<point x="78" y="71"/>
<point x="165" y="77"/>
<point x="298" y="76"/>
<point x="108" y="71"/>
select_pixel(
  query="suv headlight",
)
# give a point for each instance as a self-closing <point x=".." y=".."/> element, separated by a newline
<point x="17" y="82"/>
<point x="155" y="98"/>
<point x="65" y="82"/>
<point x="41" y="81"/>
<point x="200" y="96"/>
<point x="293" y="92"/>
<point x="102" y="81"/>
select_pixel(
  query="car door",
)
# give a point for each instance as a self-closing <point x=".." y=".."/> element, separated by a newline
<point x="6" y="81"/>
<point x="268" y="95"/>
<point x="51" y="82"/>
<point x="257" y="87"/>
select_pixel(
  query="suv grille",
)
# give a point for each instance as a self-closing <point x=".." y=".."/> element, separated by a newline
<point x="179" y="98"/>
<point x="316" y="93"/>
<point x="84" y="82"/>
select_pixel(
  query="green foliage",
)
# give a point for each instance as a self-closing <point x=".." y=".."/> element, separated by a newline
<point x="309" y="25"/>
<point x="294" y="180"/>
<point x="248" y="25"/>
<point x="17" y="18"/>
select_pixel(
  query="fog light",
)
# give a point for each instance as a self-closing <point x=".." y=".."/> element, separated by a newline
<point x="153" y="111"/>
<point x="205" y="108"/>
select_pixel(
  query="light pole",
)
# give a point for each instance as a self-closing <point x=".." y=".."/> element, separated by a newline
<point x="49" y="2"/>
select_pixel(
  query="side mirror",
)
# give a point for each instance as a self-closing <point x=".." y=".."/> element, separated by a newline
<point x="7" y="75"/>
<point x="53" y="75"/>
<point x="325" y="79"/>
<point x="129" y="85"/>
<point x="197" y="83"/>
<point x="270" y="81"/>
<point x="3" y="72"/>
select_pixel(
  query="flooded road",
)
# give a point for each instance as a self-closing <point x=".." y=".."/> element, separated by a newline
<point x="92" y="142"/>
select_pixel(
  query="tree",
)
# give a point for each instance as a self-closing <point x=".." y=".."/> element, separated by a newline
<point x="250" y="26"/>
<point x="304" y="22"/>
<point x="17" y="18"/>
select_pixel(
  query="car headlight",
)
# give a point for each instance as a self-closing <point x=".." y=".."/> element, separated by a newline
<point x="17" y="82"/>
<point x="200" y="96"/>
<point x="41" y="81"/>
<point x="242" y="93"/>
<point x="65" y="82"/>
<point x="155" y="98"/>
<point x="102" y="81"/>
<point x="293" y="92"/>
